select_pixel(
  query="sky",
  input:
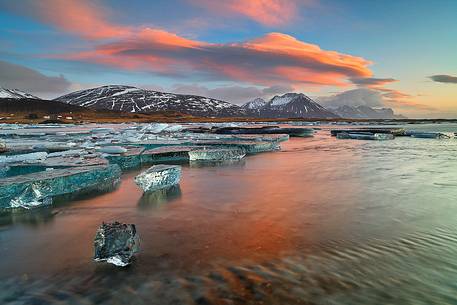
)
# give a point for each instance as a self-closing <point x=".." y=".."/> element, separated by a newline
<point x="399" y="54"/>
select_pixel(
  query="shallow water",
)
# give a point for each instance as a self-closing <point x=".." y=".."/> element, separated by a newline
<point x="323" y="221"/>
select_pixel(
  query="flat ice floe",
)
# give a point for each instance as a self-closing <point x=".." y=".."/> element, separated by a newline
<point x="216" y="154"/>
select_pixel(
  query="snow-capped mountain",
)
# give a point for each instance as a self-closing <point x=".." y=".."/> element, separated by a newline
<point x="15" y="93"/>
<point x="365" y="112"/>
<point x="290" y="105"/>
<point x="132" y="99"/>
<point x="254" y="104"/>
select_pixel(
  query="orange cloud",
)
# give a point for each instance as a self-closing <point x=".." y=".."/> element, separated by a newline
<point x="266" y="12"/>
<point x="272" y="59"/>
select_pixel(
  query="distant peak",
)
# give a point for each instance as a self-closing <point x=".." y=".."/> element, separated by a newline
<point x="255" y="103"/>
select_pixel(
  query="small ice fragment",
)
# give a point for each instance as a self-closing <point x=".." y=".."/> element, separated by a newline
<point x="159" y="177"/>
<point x="68" y="153"/>
<point x="156" y="128"/>
<point x="102" y="130"/>
<point x="173" y="128"/>
<point x="112" y="149"/>
<point x="117" y="260"/>
<point x="2" y="146"/>
<point x="116" y="243"/>
<point x="216" y="154"/>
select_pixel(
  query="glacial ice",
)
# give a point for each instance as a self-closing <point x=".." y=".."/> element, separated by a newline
<point x="116" y="243"/>
<point x="249" y="147"/>
<point x="44" y="162"/>
<point x="159" y="177"/>
<point x="68" y="153"/>
<point x="155" y="128"/>
<point x="365" y="136"/>
<point x="28" y="158"/>
<point x="215" y="154"/>
<point x="173" y="128"/>
<point x="102" y="130"/>
<point x="112" y="149"/>
<point x="394" y="131"/>
<point x="131" y="158"/>
<point x="33" y="189"/>
<point x="165" y="154"/>
<point x="427" y="135"/>
<point x="293" y="132"/>
<point x="33" y="195"/>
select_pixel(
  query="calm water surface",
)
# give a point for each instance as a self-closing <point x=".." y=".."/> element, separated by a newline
<point x="323" y="221"/>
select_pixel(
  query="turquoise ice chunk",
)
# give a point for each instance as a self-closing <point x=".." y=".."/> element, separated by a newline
<point x="159" y="177"/>
<point x="128" y="160"/>
<point x="32" y="189"/>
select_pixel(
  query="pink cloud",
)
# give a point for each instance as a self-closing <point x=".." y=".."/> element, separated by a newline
<point x="84" y="18"/>
<point x="266" y="12"/>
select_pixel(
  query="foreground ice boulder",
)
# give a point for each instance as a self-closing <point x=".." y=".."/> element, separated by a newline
<point x="159" y="177"/>
<point x="216" y="154"/>
<point x="116" y="243"/>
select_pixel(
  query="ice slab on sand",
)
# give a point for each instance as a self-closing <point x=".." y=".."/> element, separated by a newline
<point x="158" y="177"/>
<point x="167" y="153"/>
<point x="30" y="190"/>
<point x="293" y="132"/>
<point x="21" y="168"/>
<point x="394" y="131"/>
<point x="249" y="147"/>
<point x="216" y="154"/>
<point x="116" y="243"/>
<point x="365" y="136"/>
<point x="427" y="135"/>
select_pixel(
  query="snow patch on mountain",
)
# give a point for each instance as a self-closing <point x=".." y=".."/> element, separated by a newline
<point x="15" y="93"/>
<point x="283" y="99"/>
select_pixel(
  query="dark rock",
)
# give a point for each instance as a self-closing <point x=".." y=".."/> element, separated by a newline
<point x="116" y="243"/>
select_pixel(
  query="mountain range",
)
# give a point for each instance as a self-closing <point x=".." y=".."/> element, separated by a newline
<point x="130" y="99"/>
